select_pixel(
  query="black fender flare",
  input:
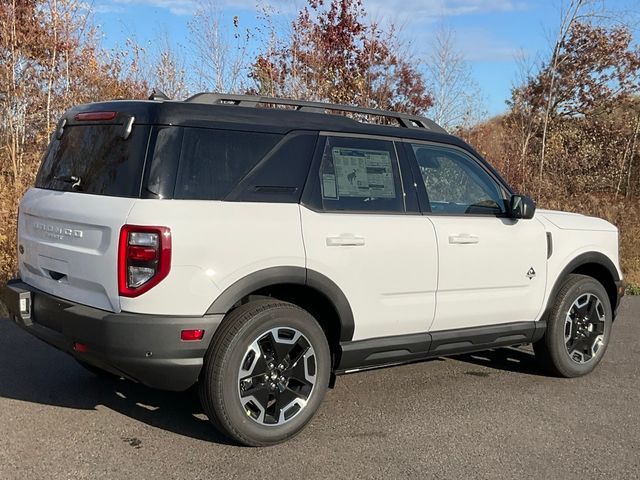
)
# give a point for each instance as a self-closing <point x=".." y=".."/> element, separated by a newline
<point x="582" y="259"/>
<point x="288" y="275"/>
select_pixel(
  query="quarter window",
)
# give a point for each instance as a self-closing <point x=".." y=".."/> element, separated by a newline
<point x="456" y="184"/>
<point x="214" y="161"/>
<point x="359" y="174"/>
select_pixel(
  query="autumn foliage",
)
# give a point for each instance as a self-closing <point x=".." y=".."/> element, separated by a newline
<point x="333" y="54"/>
<point x="569" y="137"/>
<point x="49" y="60"/>
<point x="589" y="107"/>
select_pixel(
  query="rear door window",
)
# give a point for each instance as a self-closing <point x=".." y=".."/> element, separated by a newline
<point x="95" y="159"/>
<point x="360" y="174"/>
<point x="212" y="162"/>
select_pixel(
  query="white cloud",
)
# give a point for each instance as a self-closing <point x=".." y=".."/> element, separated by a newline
<point x="476" y="44"/>
<point x="429" y="9"/>
<point x="106" y="8"/>
<point x="189" y="7"/>
<point x="417" y="22"/>
<point x="176" y="7"/>
<point x="417" y="10"/>
<point x="480" y="45"/>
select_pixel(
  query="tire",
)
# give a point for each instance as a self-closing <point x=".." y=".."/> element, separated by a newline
<point x="265" y="339"/>
<point x="577" y="333"/>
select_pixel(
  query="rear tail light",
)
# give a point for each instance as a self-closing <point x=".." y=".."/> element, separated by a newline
<point x="144" y="258"/>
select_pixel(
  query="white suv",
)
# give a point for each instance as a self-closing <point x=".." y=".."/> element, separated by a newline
<point x="259" y="247"/>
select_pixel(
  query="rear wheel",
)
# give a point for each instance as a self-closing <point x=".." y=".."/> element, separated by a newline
<point x="578" y="328"/>
<point x="266" y="373"/>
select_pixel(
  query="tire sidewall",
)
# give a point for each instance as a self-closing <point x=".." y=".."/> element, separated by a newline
<point x="232" y="412"/>
<point x="558" y="350"/>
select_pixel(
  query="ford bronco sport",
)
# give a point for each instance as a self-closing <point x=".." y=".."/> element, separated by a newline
<point x="258" y="247"/>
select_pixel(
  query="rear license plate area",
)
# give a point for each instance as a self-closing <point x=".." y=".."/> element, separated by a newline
<point x="20" y="303"/>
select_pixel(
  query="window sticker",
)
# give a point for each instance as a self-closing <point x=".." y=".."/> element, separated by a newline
<point x="363" y="173"/>
<point x="329" y="186"/>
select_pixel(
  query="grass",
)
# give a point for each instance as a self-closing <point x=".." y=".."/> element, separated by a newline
<point x="633" y="289"/>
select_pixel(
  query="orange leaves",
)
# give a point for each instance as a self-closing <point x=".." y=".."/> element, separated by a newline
<point x="595" y="67"/>
<point x="333" y="54"/>
<point x="49" y="61"/>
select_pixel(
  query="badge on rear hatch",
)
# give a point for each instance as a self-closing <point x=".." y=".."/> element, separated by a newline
<point x="59" y="233"/>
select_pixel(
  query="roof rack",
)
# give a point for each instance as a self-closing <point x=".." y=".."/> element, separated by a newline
<point x="403" y="119"/>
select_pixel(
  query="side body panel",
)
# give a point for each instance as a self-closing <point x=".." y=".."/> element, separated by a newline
<point x="585" y="235"/>
<point x="215" y="244"/>
<point x="386" y="265"/>
<point x="492" y="270"/>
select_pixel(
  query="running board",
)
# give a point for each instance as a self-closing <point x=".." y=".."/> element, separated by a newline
<point x="377" y="352"/>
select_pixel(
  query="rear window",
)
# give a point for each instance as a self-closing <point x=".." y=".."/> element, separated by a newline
<point x="212" y="162"/>
<point x="95" y="159"/>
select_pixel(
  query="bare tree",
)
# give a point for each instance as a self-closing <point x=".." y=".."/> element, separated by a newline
<point x="632" y="150"/>
<point x="221" y="52"/>
<point x="457" y="100"/>
<point x="51" y="73"/>
<point x="522" y="118"/>
<point x="168" y="71"/>
<point x="568" y="17"/>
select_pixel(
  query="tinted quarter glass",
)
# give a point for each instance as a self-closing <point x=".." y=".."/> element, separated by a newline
<point x="358" y="174"/>
<point x="105" y="163"/>
<point x="457" y="184"/>
<point x="212" y="162"/>
<point x="161" y="172"/>
<point x="280" y="176"/>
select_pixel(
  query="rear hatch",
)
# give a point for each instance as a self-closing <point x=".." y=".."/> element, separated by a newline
<point x="69" y="224"/>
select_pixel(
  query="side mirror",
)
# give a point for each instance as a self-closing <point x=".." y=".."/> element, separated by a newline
<point x="522" y="207"/>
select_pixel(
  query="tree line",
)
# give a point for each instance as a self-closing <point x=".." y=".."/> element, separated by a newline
<point x="569" y="136"/>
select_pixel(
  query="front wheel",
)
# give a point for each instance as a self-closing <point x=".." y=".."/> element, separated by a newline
<point x="578" y="328"/>
<point x="266" y="373"/>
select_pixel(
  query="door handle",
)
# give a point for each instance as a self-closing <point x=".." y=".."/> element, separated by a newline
<point x="345" y="240"/>
<point x="463" y="239"/>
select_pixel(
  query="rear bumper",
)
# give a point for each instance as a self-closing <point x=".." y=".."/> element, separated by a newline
<point x="143" y="348"/>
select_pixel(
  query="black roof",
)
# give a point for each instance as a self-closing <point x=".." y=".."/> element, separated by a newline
<point x="262" y="119"/>
<point x="205" y="110"/>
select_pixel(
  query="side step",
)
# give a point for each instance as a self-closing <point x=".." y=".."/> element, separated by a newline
<point x="377" y="352"/>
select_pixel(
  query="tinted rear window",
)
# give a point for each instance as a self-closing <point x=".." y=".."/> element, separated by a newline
<point x="105" y="163"/>
<point x="212" y="162"/>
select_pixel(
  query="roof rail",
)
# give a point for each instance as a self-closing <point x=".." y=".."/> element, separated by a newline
<point x="403" y="119"/>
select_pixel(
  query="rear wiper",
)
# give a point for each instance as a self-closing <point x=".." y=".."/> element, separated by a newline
<point x="72" y="179"/>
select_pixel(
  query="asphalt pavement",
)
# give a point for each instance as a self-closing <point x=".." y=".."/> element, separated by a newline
<point x="489" y="415"/>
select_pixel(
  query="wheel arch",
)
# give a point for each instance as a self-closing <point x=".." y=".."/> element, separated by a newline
<point x="595" y="265"/>
<point x="309" y="289"/>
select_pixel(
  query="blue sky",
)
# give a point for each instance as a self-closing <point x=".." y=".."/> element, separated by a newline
<point x="490" y="33"/>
